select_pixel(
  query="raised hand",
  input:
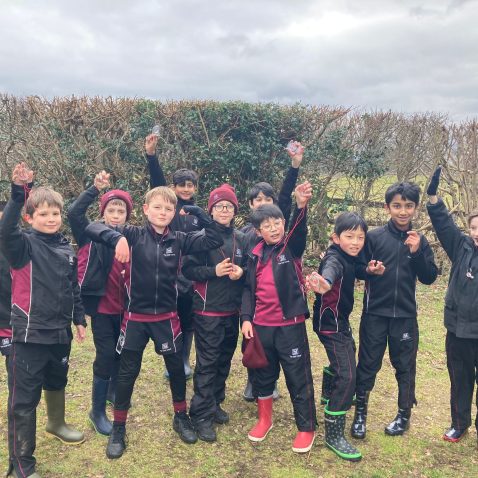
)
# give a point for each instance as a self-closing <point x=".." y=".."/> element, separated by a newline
<point x="102" y="180"/>
<point x="434" y="182"/>
<point x="295" y="150"/>
<point x="22" y="175"/>
<point x="303" y="193"/>
<point x="150" y="143"/>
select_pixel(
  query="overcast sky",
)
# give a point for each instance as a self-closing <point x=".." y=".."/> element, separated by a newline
<point x="409" y="55"/>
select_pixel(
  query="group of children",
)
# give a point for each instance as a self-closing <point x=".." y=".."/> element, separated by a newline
<point x="190" y="272"/>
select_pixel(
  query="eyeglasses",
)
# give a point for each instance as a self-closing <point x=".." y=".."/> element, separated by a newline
<point x="223" y="207"/>
<point x="271" y="225"/>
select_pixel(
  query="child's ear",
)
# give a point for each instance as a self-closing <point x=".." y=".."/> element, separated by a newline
<point x="258" y="233"/>
<point x="28" y="218"/>
<point x="145" y="208"/>
<point x="386" y="207"/>
<point x="335" y="238"/>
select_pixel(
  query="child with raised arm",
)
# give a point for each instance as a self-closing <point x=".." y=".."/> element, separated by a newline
<point x="151" y="278"/>
<point x="185" y="183"/>
<point x="274" y="309"/>
<point x="218" y="277"/>
<point x="45" y="301"/>
<point x="263" y="193"/>
<point x="389" y="313"/>
<point x="334" y="287"/>
<point x="461" y="309"/>
<point x="102" y="290"/>
<point x="5" y="301"/>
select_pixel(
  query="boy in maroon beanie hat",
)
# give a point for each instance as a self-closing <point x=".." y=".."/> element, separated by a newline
<point x="100" y="278"/>
<point x="217" y="277"/>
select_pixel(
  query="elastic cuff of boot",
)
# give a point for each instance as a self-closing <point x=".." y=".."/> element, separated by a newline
<point x="329" y="412"/>
<point x="328" y="371"/>
<point x="265" y="398"/>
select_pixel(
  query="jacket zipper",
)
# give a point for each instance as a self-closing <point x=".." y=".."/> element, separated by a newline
<point x="396" y="280"/>
<point x="157" y="278"/>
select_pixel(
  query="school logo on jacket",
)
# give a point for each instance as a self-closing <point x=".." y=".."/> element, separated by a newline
<point x="195" y="221"/>
<point x="238" y="253"/>
<point x="169" y="252"/>
<point x="71" y="260"/>
<point x="282" y="259"/>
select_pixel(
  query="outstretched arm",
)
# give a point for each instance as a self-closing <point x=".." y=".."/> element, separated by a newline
<point x="156" y="174"/>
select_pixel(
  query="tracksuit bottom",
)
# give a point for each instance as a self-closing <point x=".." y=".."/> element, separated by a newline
<point x="401" y="335"/>
<point x="288" y="347"/>
<point x="106" y="331"/>
<point x="340" y="348"/>
<point x="31" y="367"/>
<point x="462" y="362"/>
<point x="216" y="342"/>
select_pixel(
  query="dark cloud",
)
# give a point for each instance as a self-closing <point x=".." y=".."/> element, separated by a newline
<point x="406" y="56"/>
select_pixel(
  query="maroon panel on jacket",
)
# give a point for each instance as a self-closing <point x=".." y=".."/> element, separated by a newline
<point x="22" y="288"/>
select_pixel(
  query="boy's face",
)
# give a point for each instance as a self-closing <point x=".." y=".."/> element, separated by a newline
<point x="474" y="230"/>
<point x="401" y="211"/>
<point x="350" y="241"/>
<point x="159" y="213"/>
<point x="115" y="213"/>
<point x="46" y="219"/>
<point x="223" y="212"/>
<point x="259" y="200"/>
<point x="272" y="230"/>
<point x="185" y="191"/>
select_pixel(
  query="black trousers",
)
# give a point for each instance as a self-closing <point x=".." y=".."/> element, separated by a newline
<point x="106" y="330"/>
<point x="402" y="336"/>
<point x="340" y="348"/>
<point x="31" y="367"/>
<point x="288" y="347"/>
<point x="168" y="343"/>
<point x="185" y="312"/>
<point x="462" y="362"/>
<point x="216" y="342"/>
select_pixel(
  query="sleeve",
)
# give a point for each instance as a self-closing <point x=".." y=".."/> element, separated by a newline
<point x="448" y="233"/>
<point x="285" y="199"/>
<point x="195" y="268"/>
<point x="297" y="238"/>
<point x="423" y="262"/>
<point x="247" y="311"/>
<point x="363" y="259"/>
<point x="78" y="309"/>
<point x="332" y="269"/>
<point x="99" y="232"/>
<point x="156" y="174"/>
<point x="200" y="241"/>
<point x="13" y="242"/>
<point x="77" y="214"/>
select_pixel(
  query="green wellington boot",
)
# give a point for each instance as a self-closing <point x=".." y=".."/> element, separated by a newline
<point x="56" y="426"/>
<point x="327" y="384"/>
<point x="335" y="439"/>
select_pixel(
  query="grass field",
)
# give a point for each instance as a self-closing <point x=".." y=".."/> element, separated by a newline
<point x="155" y="450"/>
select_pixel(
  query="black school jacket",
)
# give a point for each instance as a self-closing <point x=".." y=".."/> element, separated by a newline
<point x="332" y="309"/>
<point x="45" y="291"/>
<point x="151" y="276"/>
<point x="5" y="292"/>
<point x="461" y="301"/>
<point x="287" y="270"/>
<point x="212" y="293"/>
<point x="393" y="293"/>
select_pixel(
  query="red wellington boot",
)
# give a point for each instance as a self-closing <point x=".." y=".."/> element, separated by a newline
<point x="264" y="424"/>
<point x="303" y="442"/>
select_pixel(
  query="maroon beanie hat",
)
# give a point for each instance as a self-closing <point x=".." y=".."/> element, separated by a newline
<point x="225" y="192"/>
<point x="116" y="194"/>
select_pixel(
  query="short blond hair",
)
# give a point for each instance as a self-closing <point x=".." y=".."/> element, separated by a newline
<point x="41" y="195"/>
<point x="161" y="191"/>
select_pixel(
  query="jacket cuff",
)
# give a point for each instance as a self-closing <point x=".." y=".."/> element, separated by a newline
<point x="246" y="318"/>
<point x="80" y="321"/>
<point x="19" y="194"/>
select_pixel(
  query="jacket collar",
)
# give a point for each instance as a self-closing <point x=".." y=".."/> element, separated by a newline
<point x="57" y="238"/>
<point x="167" y="235"/>
<point x="398" y="232"/>
<point x="341" y="252"/>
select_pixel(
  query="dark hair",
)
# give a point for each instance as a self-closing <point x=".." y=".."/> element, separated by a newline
<point x="349" y="221"/>
<point x="264" y="212"/>
<point x="264" y="188"/>
<point x="183" y="175"/>
<point x="471" y="216"/>
<point x="2" y="205"/>
<point x="410" y="191"/>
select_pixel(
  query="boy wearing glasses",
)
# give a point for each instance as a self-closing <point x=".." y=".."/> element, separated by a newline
<point x="274" y="300"/>
<point x="218" y="277"/>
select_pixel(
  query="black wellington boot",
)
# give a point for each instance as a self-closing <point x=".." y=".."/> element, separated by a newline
<point x="359" y="424"/>
<point x="97" y="414"/>
<point x="401" y="423"/>
<point x="334" y="436"/>
<point x="327" y="384"/>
